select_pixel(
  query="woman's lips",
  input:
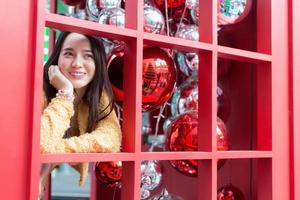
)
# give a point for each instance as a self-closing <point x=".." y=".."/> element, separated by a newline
<point x="77" y="75"/>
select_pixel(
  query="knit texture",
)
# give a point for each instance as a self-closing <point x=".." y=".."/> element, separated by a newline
<point x="56" y="118"/>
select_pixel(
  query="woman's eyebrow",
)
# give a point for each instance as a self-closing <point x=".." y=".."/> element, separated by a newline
<point x="87" y="50"/>
<point x="68" y="49"/>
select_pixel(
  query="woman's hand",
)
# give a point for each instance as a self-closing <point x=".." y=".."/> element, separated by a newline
<point x="58" y="80"/>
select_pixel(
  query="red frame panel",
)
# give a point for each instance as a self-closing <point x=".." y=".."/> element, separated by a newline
<point x="21" y="122"/>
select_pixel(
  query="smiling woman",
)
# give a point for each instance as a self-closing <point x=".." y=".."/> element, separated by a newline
<point x="78" y="113"/>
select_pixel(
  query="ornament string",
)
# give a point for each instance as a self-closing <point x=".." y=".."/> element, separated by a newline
<point x="181" y="19"/>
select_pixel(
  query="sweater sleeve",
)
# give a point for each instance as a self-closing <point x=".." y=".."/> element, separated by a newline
<point x="105" y="138"/>
<point x="55" y="121"/>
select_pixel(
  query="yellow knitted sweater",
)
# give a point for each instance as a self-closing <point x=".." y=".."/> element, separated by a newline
<point x="56" y="118"/>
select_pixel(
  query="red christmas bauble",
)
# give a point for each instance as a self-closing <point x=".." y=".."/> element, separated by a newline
<point x="170" y="3"/>
<point x="230" y="192"/>
<point x="182" y="136"/>
<point x="159" y="76"/>
<point x="109" y="173"/>
<point x="72" y="2"/>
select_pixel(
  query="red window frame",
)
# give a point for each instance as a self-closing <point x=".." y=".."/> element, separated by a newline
<point x="135" y="37"/>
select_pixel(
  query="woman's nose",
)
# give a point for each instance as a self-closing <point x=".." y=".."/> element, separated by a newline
<point x="77" y="62"/>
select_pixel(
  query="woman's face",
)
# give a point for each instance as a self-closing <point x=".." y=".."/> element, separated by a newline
<point x="76" y="60"/>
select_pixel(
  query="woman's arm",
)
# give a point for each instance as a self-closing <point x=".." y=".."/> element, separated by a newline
<point x="105" y="138"/>
<point x="55" y="121"/>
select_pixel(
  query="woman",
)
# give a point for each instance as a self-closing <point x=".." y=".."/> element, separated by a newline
<point x="78" y="113"/>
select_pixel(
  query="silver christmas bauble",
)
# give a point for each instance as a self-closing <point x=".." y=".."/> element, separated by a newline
<point x="112" y="16"/>
<point x="153" y="20"/>
<point x="189" y="32"/>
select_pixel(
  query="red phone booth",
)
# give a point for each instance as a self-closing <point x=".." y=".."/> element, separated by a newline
<point x="261" y="84"/>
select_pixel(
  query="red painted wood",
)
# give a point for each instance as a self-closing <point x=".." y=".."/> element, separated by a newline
<point x="280" y="108"/>
<point x="87" y="27"/>
<point x="256" y="52"/>
<point x="17" y="38"/>
<point x="295" y="97"/>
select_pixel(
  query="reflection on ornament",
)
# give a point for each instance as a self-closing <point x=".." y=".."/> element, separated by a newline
<point x="165" y="195"/>
<point x="194" y="12"/>
<point x="185" y="97"/>
<point x="230" y="192"/>
<point x="112" y="16"/>
<point x="109" y="173"/>
<point x="182" y="136"/>
<point x="109" y="3"/>
<point x="92" y="9"/>
<point x="151" y="175"/>
<point x="170" y="4"/>
<point x="145" y="193"/>
<point x="153" y="20"/>
<point x="232" y="11"/>
<point x="189" y="32"/>
<point x="159" y="76"/>
<point x="187" y="62"/>
<point x="192" y="4"/>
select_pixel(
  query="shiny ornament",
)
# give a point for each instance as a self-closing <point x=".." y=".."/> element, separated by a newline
<point x="109" y="173"/>
<point x="165" y="195"/>
<point x="159" y="77"/>
<point x="189" y="32"/>
<point x="192" y="4"/>
<point x="166" y="124"/>
<point x="80" y="14"/>
<point x="145" y="193"/>
<point x="222" y="136"/>
<point x="151" y="175"/>
<point x="82" y="5"/>
<point x="188" y="63"/>
<point x="112" y="16"/>
<point x="170" y="4"/>
<point x="92" y="9"/>
<point x="230" y="193"/>
<point x="224" y="104"/>
<point x="109" y="3"/>
<point x="232" y="11"/>
<point x="182" y="136"/>
<point x="72" y="2"/>
<point x="153" y="20"/>
<point x="194" y="12"/>
<point x="185" y="97"/>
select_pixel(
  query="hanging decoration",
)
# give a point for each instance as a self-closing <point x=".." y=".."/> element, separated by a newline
<point x="165" y="195"/>
<point x="92" y="9"/>
<point x="109" y="173"/>
<point x="112" y="16"/>
<point x="109" y="3"/>
<point x="230" y="192"/>
<point x="154" y="21"/>
<point x="185" y="97"/>
<point x="151" y="177"/>
<point x="232" y="11"/>
<point x="159" y="77"/>
<point x="182" y="136"/>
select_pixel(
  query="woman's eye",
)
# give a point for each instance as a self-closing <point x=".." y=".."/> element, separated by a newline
<point x="90" y="56"/>
<point x="68" y="54"/>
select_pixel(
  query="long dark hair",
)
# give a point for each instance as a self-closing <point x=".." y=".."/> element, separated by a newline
<point x="96" y="87"/>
